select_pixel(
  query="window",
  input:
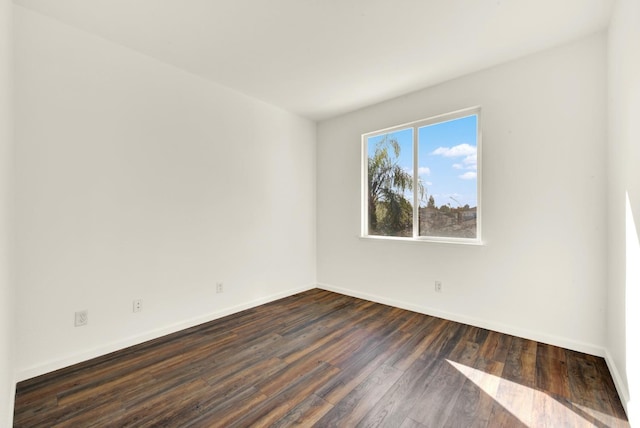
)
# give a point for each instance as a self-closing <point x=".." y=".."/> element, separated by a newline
<point x="421" y="180"/>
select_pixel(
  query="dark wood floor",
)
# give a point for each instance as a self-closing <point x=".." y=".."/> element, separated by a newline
<point x="323" y="359"/>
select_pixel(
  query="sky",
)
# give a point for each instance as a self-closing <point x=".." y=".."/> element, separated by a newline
<point x="447" y="159"/>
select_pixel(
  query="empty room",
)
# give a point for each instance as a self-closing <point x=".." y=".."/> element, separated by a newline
<point x="319" y="213"/>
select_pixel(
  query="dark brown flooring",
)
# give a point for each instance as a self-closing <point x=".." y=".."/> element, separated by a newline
<point x="323" y="359"/>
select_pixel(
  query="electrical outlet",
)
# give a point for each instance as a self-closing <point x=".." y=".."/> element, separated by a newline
<point x="82" y="318"/>
<point x="137" y="305"/>
<point x="219" y="287"/>
<point x="438" y="286"/>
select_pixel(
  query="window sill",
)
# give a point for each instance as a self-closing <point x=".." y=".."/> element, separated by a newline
<point x="425" y="240"/>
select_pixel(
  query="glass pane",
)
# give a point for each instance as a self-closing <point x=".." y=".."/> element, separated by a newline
<point x="448" y="169"/>
<point x="390" y="183"/>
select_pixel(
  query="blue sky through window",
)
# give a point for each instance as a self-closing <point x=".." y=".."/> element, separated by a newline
<point x="448" y="162"/>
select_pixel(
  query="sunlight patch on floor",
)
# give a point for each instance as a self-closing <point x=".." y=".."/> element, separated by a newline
<point x="603" y="418"/>
<point x="532" y="407"/>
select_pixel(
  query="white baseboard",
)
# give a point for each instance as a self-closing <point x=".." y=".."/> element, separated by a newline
<point x="476" y="322"/>
<point x="8" y="418"/>
<point x="150" y="335"/>
<point x="623" y="392"/>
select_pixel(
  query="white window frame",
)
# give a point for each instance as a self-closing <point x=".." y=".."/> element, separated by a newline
<point x="364" y="222"/>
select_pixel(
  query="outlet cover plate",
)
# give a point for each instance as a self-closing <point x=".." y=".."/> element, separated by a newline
<point x="81" y="318"/>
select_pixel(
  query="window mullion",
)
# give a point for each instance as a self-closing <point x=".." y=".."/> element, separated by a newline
<point x="416" y="231"/>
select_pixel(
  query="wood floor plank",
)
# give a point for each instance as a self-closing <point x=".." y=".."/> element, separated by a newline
<point x="548" y="351"/>
<point x="361" y="366"/>
<point x="551" y="411"/>
<point x="322" y="359"/>
<point x="520" y="364"/>
<point x="229" y="384"/>
<point x="474" y="404"/>
<point x="410" y="423"/>
<point x="305" y="414"/>
<point x="608" y="385"/>
<point x="394" y="406"/>
<point x="279" y="405"/>
<point x="362" y="400"/>
<point x="438" y="399"/>
<point x="496" y="346"/>
<point x="419" y="343"/>
<point x="552" y="375"/>
<point x="342" y="327"/>
<point x="445" y="341"/>
<point x="179" y="403"/>
<point x="501" y="417"/>
<point x="513" y="404"/>
<point x="434" y="406"/>
<point x="586" y="389"/>
<point x="228" y="412"/>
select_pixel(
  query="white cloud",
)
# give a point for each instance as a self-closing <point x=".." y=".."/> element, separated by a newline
<point x="455" y="151"/>
<point x="429" y="183"/>
<point x="471" y="161"/>
<point x="424" y="170"/>
<point x="470" y="175"/>
<point x="467" y="151"/>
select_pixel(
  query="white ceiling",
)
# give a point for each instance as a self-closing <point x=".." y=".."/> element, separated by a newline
<point x="321" y="58"/>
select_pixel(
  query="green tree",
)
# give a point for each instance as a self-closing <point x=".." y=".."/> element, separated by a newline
<point x="431" y="203"/>
<point x="390" y="213"/>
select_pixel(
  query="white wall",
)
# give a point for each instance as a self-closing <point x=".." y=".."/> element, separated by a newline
<point x="542" y="271"/>
<point x="138" y="180"/>
<point x="624" y="203"/>
<point x="6" y="174"/>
